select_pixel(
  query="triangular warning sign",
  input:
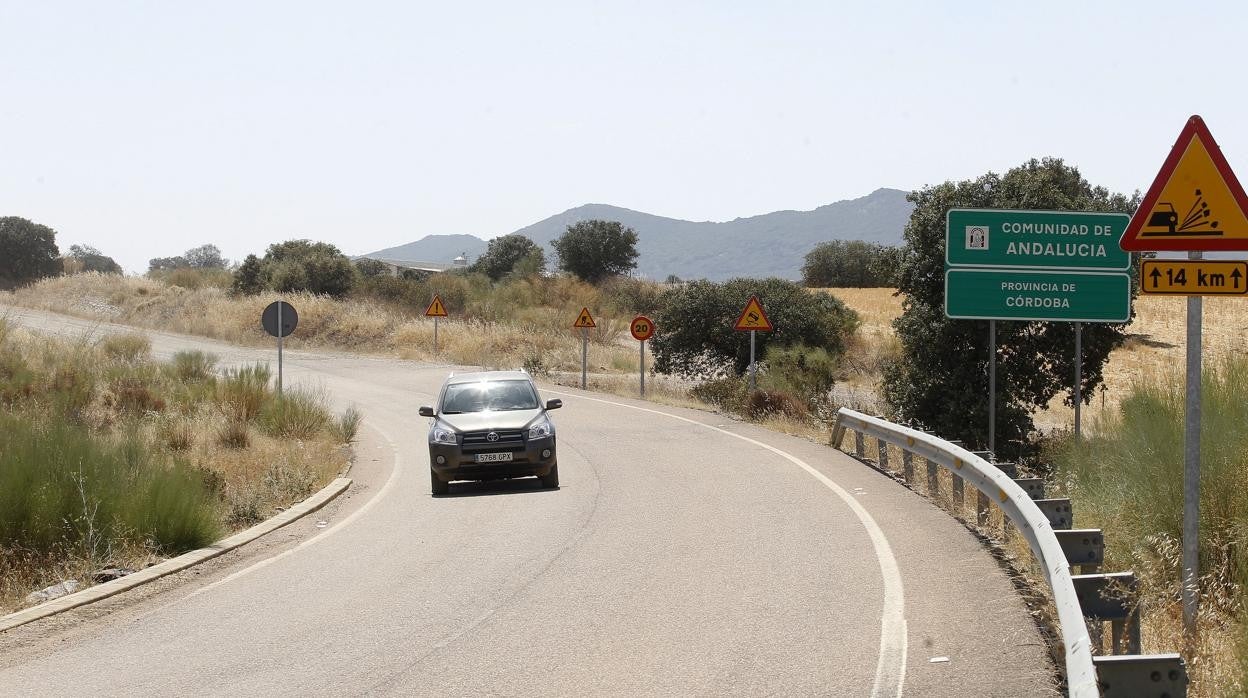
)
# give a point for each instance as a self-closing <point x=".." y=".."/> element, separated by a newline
<point x="436" y="309"/>
<point x="584" y="319"/>
<point x="753" y="317"/>
<point x="1196" y="203"/>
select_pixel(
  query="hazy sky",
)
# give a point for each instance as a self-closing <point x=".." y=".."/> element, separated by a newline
<point x="147" y="128"/>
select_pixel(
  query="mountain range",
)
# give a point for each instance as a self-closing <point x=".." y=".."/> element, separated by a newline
<point x="771" y="244"/>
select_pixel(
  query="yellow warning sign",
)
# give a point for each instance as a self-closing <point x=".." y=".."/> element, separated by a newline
<point x="753" y="317"/>
<point x="1172" y="277"/>
<point x="436" y="309"/>
<point x="584" y="320"/>
<point x="1196" y="202"/>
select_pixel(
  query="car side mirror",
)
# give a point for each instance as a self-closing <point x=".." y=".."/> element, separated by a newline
<point x="554" y="404"/>
<point x="426" y="411"/>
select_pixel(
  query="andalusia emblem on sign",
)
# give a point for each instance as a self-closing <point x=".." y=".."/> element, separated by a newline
<point x="1196" y="202"/>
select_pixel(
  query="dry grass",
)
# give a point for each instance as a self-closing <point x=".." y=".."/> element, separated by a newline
<point x="173" y="416"/>
<point x="541" y="335"/>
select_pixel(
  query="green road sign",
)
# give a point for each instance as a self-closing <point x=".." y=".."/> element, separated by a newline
<point x="1017" y="294"/>
<point x="978" y="237"/>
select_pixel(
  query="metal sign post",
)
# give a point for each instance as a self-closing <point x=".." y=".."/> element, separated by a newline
<point x="642" y="328"/>
<point x="1191" y="466"/>
<point x="753" y="366"/>
<point x="1078" y="377"/>
<point x="436" y="310"/>
<point x="279" y="319"/>
<point x="753" y="318"/>
<point x="992" y="386"/>
<point x="279" y="351"/>
<point x="584" y="321"/>
<point x="643" y="368"/>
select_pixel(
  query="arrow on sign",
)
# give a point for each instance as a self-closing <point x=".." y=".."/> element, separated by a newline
<point x="1155" y="276"/>
<point x="1235" y="276"/>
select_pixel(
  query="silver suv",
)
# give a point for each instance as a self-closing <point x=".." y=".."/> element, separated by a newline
<point x="490" y="425"/>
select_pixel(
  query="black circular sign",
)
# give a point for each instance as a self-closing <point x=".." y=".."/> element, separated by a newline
<point x="290" y="319"/>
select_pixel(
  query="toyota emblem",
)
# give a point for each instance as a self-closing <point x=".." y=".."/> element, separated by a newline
<point x="492" y="436"/>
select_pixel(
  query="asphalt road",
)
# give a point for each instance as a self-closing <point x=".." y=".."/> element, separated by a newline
<point x="685" y="553"/>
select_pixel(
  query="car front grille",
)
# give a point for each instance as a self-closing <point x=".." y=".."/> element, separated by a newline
<point x="507" y="439"/>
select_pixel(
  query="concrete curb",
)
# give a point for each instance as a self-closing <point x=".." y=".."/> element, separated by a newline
<point x="177" y="564"/>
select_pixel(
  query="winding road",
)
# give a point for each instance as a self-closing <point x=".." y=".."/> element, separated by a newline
<point x="686" y="553"/>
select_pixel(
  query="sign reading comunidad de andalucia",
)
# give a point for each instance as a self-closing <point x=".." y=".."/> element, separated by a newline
<point x="1036" y="239"/>
<point x="994" y="259"/>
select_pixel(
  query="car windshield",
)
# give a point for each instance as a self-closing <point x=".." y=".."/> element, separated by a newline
<point x="489" y="396"/>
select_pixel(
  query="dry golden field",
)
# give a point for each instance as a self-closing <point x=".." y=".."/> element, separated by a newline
<point x="541" y="338"/>
<point x="1154" y="352"/>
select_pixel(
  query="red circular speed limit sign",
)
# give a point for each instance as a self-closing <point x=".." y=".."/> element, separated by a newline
<point x="642" y="328"/>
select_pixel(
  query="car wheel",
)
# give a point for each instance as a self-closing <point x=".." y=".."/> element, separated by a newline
<point x="551" y="479"/>
<point x="437" y="484"/>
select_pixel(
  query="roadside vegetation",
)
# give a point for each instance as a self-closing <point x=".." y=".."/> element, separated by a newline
<point x="113" y="460"/>
<point x="1127" y="478"/>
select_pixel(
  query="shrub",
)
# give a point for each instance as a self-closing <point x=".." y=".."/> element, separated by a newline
<point x="60" y="487"/>
<point x="727" y="394"/>
<point x="295" y="415"/>
<point x="130" y="347"/>
<point x="347" y="425"/>
<point x="234" y="434"/>
<point x="800" y="370"/>
<point x="193" y="366"/>
<point x="695" y="335"/>
<point x="632" y="296"/>
<point x="244" y="390"/>
<point x="763" y="403"/>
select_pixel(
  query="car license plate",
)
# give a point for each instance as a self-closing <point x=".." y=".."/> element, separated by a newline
<point x="493" y="457"/>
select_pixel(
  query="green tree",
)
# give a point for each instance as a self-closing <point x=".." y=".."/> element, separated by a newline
<point x="849" y="264"/>
<point x="506" y="253"/>
<point x="371" y="268"/>
<point x="249" y="278"/>
<point x="594" y="250"/>
<point x="695" y="338"/>
<point x="303" y="265"/>
<point x="941" y="381"/>
<point x="27" y="252"/>
<point x="205" y="257"/>
<point x="167" y="264"/>
<point x="88" y="258"/>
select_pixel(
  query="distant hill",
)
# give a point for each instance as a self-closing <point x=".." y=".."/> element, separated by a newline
<point x="434" y="248"/>
<point x="772" y="244"/>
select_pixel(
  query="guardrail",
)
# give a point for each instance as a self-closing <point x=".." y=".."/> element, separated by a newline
<point x="1046" y="525"/>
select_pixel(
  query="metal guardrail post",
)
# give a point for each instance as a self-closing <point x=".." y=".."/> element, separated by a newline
<point x="907" y="465"/>
<point x="882" y="453"/>
<point x="859" y="447"/>
<point x="1133" y="676"/>
<point x="982" y="512"/>
<point x="933" y="481"/>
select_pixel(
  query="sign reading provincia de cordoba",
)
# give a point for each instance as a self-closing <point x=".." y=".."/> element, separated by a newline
<point x="1036" y="265"/>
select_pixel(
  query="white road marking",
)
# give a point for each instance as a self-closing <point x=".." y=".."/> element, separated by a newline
<point x="890" y="670"/>
<point x="381" y="494"/>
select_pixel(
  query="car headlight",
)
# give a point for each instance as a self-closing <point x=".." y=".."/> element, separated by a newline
<point x="541" y="430"/>
<point x="442" y="435"/>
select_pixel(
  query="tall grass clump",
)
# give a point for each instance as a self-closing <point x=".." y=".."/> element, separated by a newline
<point x="244" y="389"/>
<point x="1127" y="478"/>
<point x="60" y="488"/>
<point x="193" y="366"/>
<point x="347" y="425"/>
<point x="296" y="415"/>
<point x="129" y="346"/>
